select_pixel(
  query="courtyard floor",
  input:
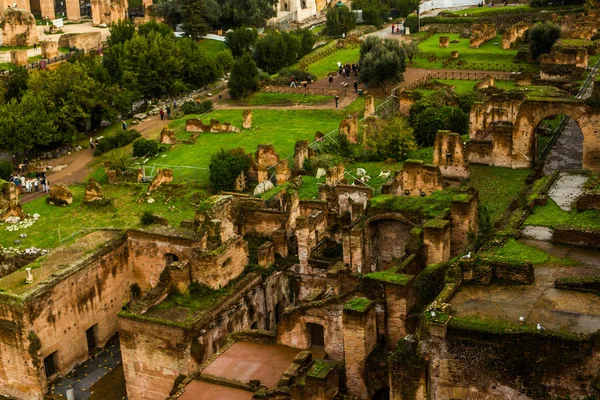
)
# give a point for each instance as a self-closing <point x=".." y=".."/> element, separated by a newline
<point x="555" y="309"/>
<point x="245" y="361"/>
<point x="198" y="390"/>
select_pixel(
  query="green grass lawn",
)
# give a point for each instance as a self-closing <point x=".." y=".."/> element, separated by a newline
<point x="466" y="85"/>
<point x="517" y="251"/>
<point x="212" y="46"/>
<point x="552" y="216"/>
<point x="487" y="53"/>
<point x="280" y="128"/>
<point x="128" y="202"/>
<point x="497" y="186"/>
<point x="499" y="9"/>
<point x="321" y="68"/>
<point x="285" y="99"/>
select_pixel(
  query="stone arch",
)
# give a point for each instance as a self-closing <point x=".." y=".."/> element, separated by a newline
<point x="531" y="113"/>
<point x="170" y="258"/>
<point x="386" y="238"/>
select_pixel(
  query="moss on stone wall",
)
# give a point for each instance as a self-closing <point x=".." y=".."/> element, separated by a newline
<point x="390" y="277"/>
<point x="358" y="304"/>
<point x="320" y="369"/>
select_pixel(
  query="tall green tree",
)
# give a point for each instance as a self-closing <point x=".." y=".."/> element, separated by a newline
<point x="16" y="84"/>
<point x="244" y="77"/>
<point x="225" y="166"/>
<point x="340" y="20"/>
<point x="120" y="32"/>
<point x="542" y="37"/>
<point x="381" y="62"/>
<point x="198" y="16"/>
<point x="236" y="13"/>
<point x="405" y="7"/>
<point x="426" y="126"/>
<point x="373" y="10"/>
<point x="241" y="40"/>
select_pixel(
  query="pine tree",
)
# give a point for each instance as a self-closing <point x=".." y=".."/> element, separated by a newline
<point x="244" y="77"/>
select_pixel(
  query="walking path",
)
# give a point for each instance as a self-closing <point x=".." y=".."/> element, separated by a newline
<point x="77" y="163"/>
<point x="567" y="153"/>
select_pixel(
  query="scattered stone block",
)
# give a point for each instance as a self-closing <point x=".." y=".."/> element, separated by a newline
<point x="444" y="41"/>
<point x="60" y="195"/>
<point x="49" y="49"/>
<point x="162" y="176"/>
<point x="18" y="28"/>
<point x="247" y="124"/>
<point x="93" y="192"/>
<point x="19" y="57"/>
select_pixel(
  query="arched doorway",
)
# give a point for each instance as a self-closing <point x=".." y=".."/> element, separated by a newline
<point x="382" y="394"/>
<point x="386" y="239"/>
<point x="316" y="334"/>
<point x="254" y="325"/>
<point x="170" y="258"/>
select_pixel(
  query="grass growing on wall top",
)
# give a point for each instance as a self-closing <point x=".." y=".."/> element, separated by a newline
<point x="358" y="304"/>
<point x="552" y="216"/>
<point x="516" y="251"/>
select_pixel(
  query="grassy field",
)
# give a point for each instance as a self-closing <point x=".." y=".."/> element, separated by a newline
<point x="321" y="68"/>
<point x="517" y="251"/>
<point x="285" y="99"/>
<point x="127" y="203"/>
<point x="497" y="186"/>
<point x="499" y="9"/>
<point x="464" y="86"/>
<point x="489" y="52"/>
<point x="278" y="127"/>
<point x="212" y="46"/>
<point x="552" y="216"/>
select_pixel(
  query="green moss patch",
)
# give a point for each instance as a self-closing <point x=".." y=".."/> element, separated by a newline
<point x="390" y="277"/>
<point x="358" y="304"/>
<point x="320" y="369"/>
<point x="514" y="251"/>
<point x="552" y="216"/>
<point x="428" y="206"/>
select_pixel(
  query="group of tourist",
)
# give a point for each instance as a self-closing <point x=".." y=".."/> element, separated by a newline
<point x="398" y="30"/>
<point x="295" y="82"/>
<point x="38" y="184"/>
<point x="348" y="70"/>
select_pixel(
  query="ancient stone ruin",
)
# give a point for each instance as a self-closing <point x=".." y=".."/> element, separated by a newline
<point x="516" y="32"/>
<point x="10" y="206"/>
<point x="93" y="192"/>
<point x="369" y="106"/>
<point x="167" y="136"/>
<point x="106" y="12"/>
<point x="18" y="28"/>
<point x="267" y="162"/>
<point x="162" y="176"/>
<point x="485" y="83"/>
<point x="19" y="57"/>
<point x="86" y="41"/>
<point x="349" y="128"/>
<point x="444" y="41"/>
<point x="301" y="153"/>
<point x="481" y="33"/>
<point x="247" y="124"/>
<point x="415" y="179"/>
<point x="49" y="49"/>
<point x="448" y="155"/>
<point x="565" y="62"/>
<point x="215" y="126"/>
<point x="59" y="195"/>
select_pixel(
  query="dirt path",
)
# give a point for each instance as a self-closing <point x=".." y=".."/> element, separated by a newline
<point x="77" y="163"/>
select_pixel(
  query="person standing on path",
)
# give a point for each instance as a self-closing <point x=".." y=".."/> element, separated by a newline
<point x="330" y="81"/>
<point x="293" y="81"/>
<point x="36" y="183"/>
<point x="393" y="27"/>
<point x="168" y="112"/>
<point x="91" y="143"/>
<point x="162" y="114"/>
<point x="124" y="125"/>
<point x="355" y="87"/>
<point x="337" y="101"/>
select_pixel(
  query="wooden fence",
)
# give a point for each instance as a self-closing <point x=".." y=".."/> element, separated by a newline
<point x="457" y="75"/>
<point x="306" y="91"/>
<point x="43" y="63"/>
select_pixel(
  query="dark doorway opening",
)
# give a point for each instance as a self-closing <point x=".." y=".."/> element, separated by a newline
<point x="382" y="394"/>
<point x="49" y="365"/>
<point x="317" y="334"/>
<point x="278" y="312"/>
<point x="254" y="325"/>
<point x="90" y="335"/>
<point x="170" y="259"/>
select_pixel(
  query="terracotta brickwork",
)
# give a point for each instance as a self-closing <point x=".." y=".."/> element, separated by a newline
<point x="436" y="237"/>
<point x="449" y="155"/>
<point x="360" y="338"/>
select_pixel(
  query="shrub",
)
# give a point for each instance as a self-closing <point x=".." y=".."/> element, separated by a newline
<point x="192" y="107"/>
<point x="145" y="147"/>
<point x="241" y="40"/>
<point x="147" y="218"/>
<point x="391" y="139"/>
<point x="119" y="139"/>
<point x="118" y="160"/>
<point x="225" y="166"/>
<point x="225" y="59"/>
<point x="542" y="37"/>
<point x="412" y="23"/>
<point x="244" y="77"/>
<point x="311" y="165"/>
<point x="6" y="170"/>
<point x="381" y="61"/>
<point x="426" y="126"/>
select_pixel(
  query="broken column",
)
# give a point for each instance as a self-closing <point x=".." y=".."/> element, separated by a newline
<point x="463" y="214"/>
<point x="73" y="10"/>
<point x="444" y="41"/>
<point x="448" y="154"/>
<point x="349" y="128"/>
<point x="369" y="106"/>
<point x="93" y="192"/>
<point x="19" y="57"/>
<point x="47" y="9"/>
<point x="301" y="153"/>
<point x="162" y="176"/>
<point x="247" y="123"/>
<point x="49" y="49"/>
<point x="436" y="238"/>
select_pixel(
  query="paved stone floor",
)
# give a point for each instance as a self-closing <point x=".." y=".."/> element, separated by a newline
<point x="566" y="189"/>
<point x="198" y="390"/>
<point x="541" y="303"/>
<point x="567" y="153"/>
<point x="83" y="378"/>
<point x="244" y="361"/>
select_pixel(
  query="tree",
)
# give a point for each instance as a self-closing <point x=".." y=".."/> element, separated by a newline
<point x="412" y="23"/>
<point x="340" y="20"/>
<point x="411" y="48"/>
<point x="455" y="120"/>
<point x="153" y="26"/>
<point x="241" y="40"/>
<point x="244" y="77"/>
<point x="236" y="13"/>
<point x="225" y="166"/>
<point x="198" y="15"/>
<point x="373" y="10"/>
<point x="120" y="32"/>
<point x="426" y="126"/>
<point x="391" y="139"/>
<point x="405" y="7"/>
<point x="17" y="84"/>
<point x="541" y="38"/>
<point x="271" y="53"/>
<point x="381" y="62"/>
